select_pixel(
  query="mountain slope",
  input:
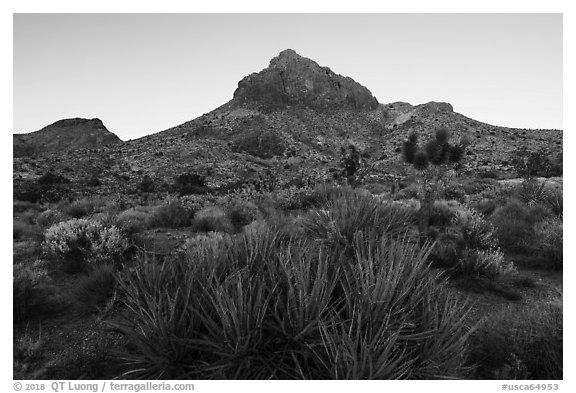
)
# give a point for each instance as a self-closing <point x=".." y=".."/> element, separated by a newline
<point x="291" y="118"/>
<point x="63" y="135"/>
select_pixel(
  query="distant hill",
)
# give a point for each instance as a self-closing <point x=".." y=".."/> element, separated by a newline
<point x="63" y="135"/>
<point x="290" y="119"/>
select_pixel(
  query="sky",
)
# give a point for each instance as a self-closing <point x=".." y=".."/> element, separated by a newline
<point x="144" y="73"/>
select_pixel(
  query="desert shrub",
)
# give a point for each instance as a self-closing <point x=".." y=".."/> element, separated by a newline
<point x="82" y="243"/>
<point x="146" y="184"/>
<point x="52" y="178"/>
<point x="288" y="226"/>
<point x="472" y="185"/>
<point x="337" y="223"/>
<point x="190" y="183"/>
<point x="170" y="215"/>
<point x="32" y="293"/>
<point x="213" y="241"/>
<point x="50" y="217"/>
<point x="488" y="173"/>
<point x="28" y="353"/>
<point x="477" y="232"/>
<point x="484" y="263"/>
<point x="529" y="164"/>
<point x="194" y="203"/>
<point x="242" y="213"/>
<point x="24" y="230"/>
<point x="259" y="143"/>
<point x="448" y="250"/>
<point x="293" y="197"/>
<point x="408" y="192"/>
<point x="443" y="213"/>
<point x="550" y="241"/>
<point x="514" y="225"/>
<point x="454" y="191"/>
<point x="132" y="221"/>
<point x="88" y="205"/>
<point x="525" y="344"/>
<point x="26" y="251"/>
<point x="376" y="188"/>
<point x="532" y="192"/>
<point x="212" y="219"/>
<point x="484" y="206"/>
<point x="22" y="206"/>
<point x="322" y="194"/>
<point x="93" y="290"/>
<point x="555" y="201"/>
<point x="31" y="191"/>
<point x="79" y="208"/>
<point x="266" y="309"/>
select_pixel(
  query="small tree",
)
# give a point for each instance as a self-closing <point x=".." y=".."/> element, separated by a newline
<point x="432" y="161"/>
<point x="530" y="164"/>
<point x="353" y="166"/>
<point x="350" y="162"/>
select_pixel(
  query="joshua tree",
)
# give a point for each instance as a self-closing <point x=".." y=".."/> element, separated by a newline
<point x="432" y="161"/>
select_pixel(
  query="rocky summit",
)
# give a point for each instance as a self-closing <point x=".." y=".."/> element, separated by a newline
<point x="295" y="81"/>
<point x="63" y="135"/>
<point x="292" y="119"/>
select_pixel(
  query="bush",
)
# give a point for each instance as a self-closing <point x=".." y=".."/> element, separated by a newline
<point x="23" y="230"/>
<point x="26" y="251"/>
<point x="80" y="208"/>
<point x="323" y="194"/>
<point x="190" y="183"/>
<point x="32" y="294"/>
<point x="146" y="184"/>
<point x="484" y="263"/>
<point x="93" y="291"/>
<point x="532" y="192"/>
<point x="443" y="213"/>
<point x="242" y="213"/>
<point x="336" y="224"/>
<point x="259" y="143"/>
<point x="514" y="225"/>
<point x="550" y="241"/>
<point x="170" y="215"/>
<point x="525" y="344"/>
<point x="555" y="201"/>
<point x="50" y="217"/>
<point x="85" y="244"/>
<point x="28" y="355"/>
<point x="132" y="221"/>
<point x="212" y="219"/>
<point x="22" y="206"/>
<point x="52" y="178"/>
<point x="293" y="197"/>
<point x="262" y="309"/>
<point x="477" y="233"/>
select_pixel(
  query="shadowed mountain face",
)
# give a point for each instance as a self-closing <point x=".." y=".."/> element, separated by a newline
<point x="291" y="118"/>
<point x="293" y="80"/>
<point x="67" y="134"/>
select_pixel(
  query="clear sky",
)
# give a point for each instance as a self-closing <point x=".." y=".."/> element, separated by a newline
<point x="144" y="73"/>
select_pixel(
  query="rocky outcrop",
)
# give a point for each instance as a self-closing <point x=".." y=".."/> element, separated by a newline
<point x="64" y="135"/>
<point x="295" y="81"/>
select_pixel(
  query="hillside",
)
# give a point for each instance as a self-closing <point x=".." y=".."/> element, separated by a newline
<point x="292" y="118"/>
<point x="64" y="135"/>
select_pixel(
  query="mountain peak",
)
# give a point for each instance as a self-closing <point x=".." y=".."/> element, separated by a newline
<point x="63" y="135"/>
<point x="294" y="80"/>
<point x="76" y="122"/>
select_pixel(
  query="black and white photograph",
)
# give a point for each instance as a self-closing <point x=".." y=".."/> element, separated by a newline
<point x="287" y="196"/>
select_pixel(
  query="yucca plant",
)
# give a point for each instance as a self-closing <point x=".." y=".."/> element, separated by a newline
<point x="336" y="224"/>
<point x="396" y="321"/>
<point x="265" y="307"/>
